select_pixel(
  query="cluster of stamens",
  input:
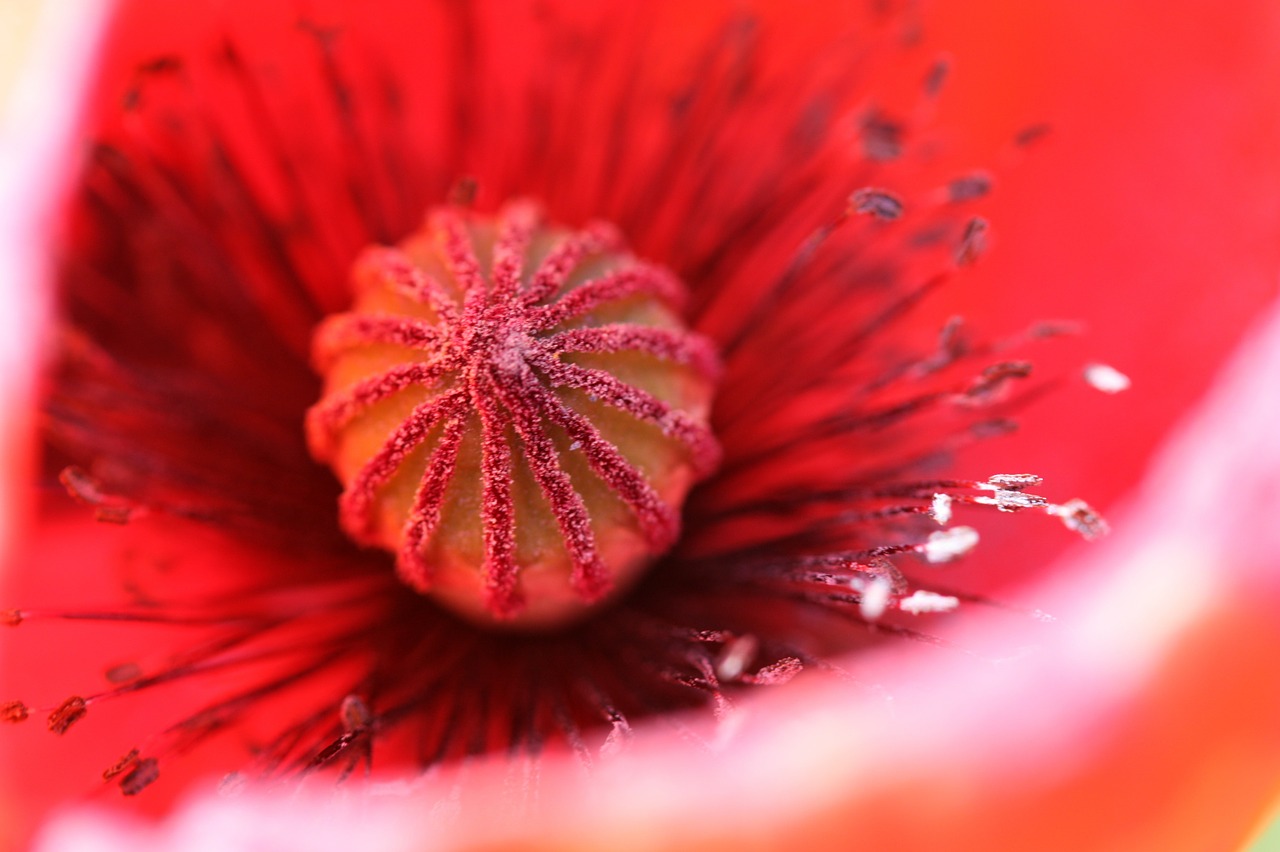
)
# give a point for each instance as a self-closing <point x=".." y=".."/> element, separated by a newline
<point x="519" y="430"/>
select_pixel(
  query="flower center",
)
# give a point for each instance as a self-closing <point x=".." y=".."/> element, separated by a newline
<point x="516" y="411"/>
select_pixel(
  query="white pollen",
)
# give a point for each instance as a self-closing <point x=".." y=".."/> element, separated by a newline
<point x="945" y="545"/>
<point x="921" y="601"/>
<point x="875" y="598"/>
<point x="940" y="509"/>
<point x="1012" y="501"/>
<point x="1011" y="481"/>
<point x="1078" y="516"/>
<point x="1106" y="378"/>
<point x="738" y="653"/>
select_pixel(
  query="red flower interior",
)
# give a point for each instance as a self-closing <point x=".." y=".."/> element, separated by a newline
<point x="787" y="174"/>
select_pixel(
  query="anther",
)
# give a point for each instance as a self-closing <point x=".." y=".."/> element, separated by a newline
<point x="355" y="714"/>
<point x="1078" y="516"/>
<point x="1012" y="501"/>
<point x="1106" y="378"/>
<point x="882" y="137"/>
<point x="968" y="188"/>
<point x="973" y="241"/>
<point x="878" y="203"/>
<point x="875" y="598"/>
<point x="107" y="508"/>
<point x="121" y="765"/>
<point x="936" y="77"/>
<point x="921" y="601"/>
<point x="940" y="508"/>
<point x="949" y="544"/>
<point x="1011" y="481"/>
<point x="1032" y="134"/>
<point x="14" y="712"/>
<point x="776" y="673"/>
<point x="67" y="714"/>
<point x="738" y="653"/>
<point x="143" y="775"/>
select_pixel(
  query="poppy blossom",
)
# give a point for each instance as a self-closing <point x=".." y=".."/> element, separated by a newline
<point x="829" y="709"/>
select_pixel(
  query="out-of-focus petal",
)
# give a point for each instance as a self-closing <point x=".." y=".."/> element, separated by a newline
<point x="47" y="48"/>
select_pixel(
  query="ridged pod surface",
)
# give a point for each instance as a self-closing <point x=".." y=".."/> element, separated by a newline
<point x="516" y="411"/>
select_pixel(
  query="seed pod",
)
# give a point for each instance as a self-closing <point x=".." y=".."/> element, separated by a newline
<point x="515" y="410"/>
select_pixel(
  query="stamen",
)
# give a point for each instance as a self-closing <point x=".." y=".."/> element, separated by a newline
<point x="776" y="673"/>
<point x="736" y="655"/>
<point x="1013" y="501"/>
<point x="14" y="712"/>
<point x="1079" y="516"/>
<point x="973" y="242"/>
<point x="143" y="775"/>
<point x="940" y="509"/>
<point x="1106" y="378"/>
<point x="876" y="202"/>
<point x="968" y="188"/>
<point x="1011" y="481"/>
<point x="875" y="598"/>
<point x="946" y="545"/>
<point x="129" y="760"/>
<point x="108" y="508"/>
<point x="921" y="601"/>
<point x="67" y="714"/>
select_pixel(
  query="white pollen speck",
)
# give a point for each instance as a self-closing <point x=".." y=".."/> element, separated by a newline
<point x="1106" y="378"/>
<point x="940" y="509"/>
<point x="576" y="445"/>
<point x="921" y="601"/>
<point x="945" y="545"/>
<point x="738" y="653"/>
<point x="875" y="598"/>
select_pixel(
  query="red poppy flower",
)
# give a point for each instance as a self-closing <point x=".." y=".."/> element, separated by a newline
<point x="779" y="164"/>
